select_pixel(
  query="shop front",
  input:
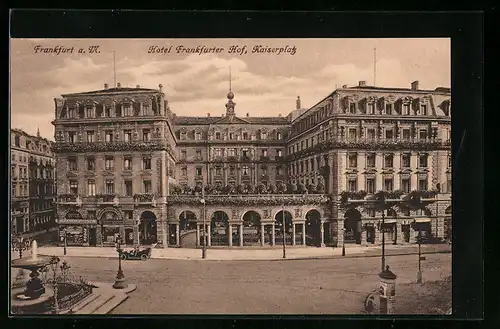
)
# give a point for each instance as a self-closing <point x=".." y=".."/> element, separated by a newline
<point x="75" y="230"/>
<point x="110" y="227"/>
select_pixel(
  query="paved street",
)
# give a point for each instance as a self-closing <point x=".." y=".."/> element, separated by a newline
<point x="325" y="286"/>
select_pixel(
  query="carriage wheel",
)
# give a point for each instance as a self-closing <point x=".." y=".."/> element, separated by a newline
<point x="144" y="257"/>
<point x="123" y="257"/>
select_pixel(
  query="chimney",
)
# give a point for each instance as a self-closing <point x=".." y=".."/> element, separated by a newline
<point x="414" y="85"/>
<point x="137" y="86"/>
<point x="297" y="105"/>
<point x="279" y="115"/>
<point x="362" y="83"/>
<point x="248" y="114"/>
<point x="208" y="115"/>
<point x="161" y="87"/>
<point x="344" y="86"/>
<point x="118" y="85"/>
<point x="105" y="86"/>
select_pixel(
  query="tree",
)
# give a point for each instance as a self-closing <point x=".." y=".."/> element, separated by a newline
<point x="301" y="188"/>
<point x="240" y="188"/>
<point x="292" y="188"/>
<point x="250" y="188"/>
<point x="262" y="189"/>
<point x="209" y="189"/>
<point x="198" y="188"/>
<point x="311" y="188"/>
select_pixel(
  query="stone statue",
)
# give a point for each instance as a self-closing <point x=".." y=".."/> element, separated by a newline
<point x="34" y="286"/>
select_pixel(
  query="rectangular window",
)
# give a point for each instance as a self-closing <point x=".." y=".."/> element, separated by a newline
<point x="89" y="112"/>
<point x="72" y="164"/>
<point x="183" y="155"/>
<point x="388" y="184"/>
<point x="245" y="136"/>
<point x="183" y="136"/>
<point x="389" y="134"/>
<point x="198" y="171"/>
<point x="352" y="108"/>
<point x="128" y="188"/>
<point x="422" y="160"/>
<point x="352" y="134"/>
<point x="198" y="154"/>
<point x="218" y="171"/>
<point x="406" y="134"/>
<point x="231" y="135"/>
<point x="217" y="135"/>
<point x="110" y="186"/>
<point x="263" y="135"/>
<point x="369" y="109"/>
<point x="370" y="185"/>
<point x="232" y="170"/>
<point x="422" y="134"/>
<point x="422" y="184"/>
<point x="147" y="187"/>
<point x="424" y="109"/>
<point x="352" y="184"/>
<point x="146" y="135"/>
<point x="109" y="163"/>
<point x="184" y="172"/>
<point x="90" y="136"/>
<point x="127" y="135"/>
<point x="90" y="163"/>
<point x="388" y="109"/>
<point x="109" y="136"/>
<point x="353" y="161"/>
<point x="197" y="136"/>
<point x="280" y="136"/>
<point x="449" y="161"/>
<point x="388" y="161"/>
<point x="406" y="160"/>
<point x="73" y="187"/>
<point x="370" y="133"/>
<point x="72" y="137"/>
<point x="218" y="152"/>
<point x="406" y="109"/>
<point x="145" y="109"/>
<point x="406" y="185"/>
<point x="245" y="170"/>
<point x="264" y="152"/>
<point x="91" y="187"/>
<point x="232" y="152"/>
<point x="146" y="162"/>
<point x="127" y="110"/>
<point x="127" y="163"/>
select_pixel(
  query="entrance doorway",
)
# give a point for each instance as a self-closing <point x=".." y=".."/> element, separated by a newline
<point x="147" y="228"/>
<point x="92" y="237"/>
<point x="251" y="229"/>
<point x="313" y="228"/>
<point x="219" y="229"/>
<point x="279" y="227"/>
<point x="352" y="226"/>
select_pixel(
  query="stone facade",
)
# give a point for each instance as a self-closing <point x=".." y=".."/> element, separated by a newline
<point x="127" y="165"/>
<point x="32" y="183"/>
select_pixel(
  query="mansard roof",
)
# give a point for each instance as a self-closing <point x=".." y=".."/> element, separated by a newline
<point x="111" y="90"/>
<point x="183" y="120"/>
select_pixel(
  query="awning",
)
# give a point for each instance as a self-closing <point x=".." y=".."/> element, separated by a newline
<point x="422" y="220"/>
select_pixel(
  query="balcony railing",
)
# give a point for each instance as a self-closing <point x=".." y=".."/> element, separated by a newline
<point x="81" y="147"/>
<point x="107" y="199"/>
<point x="145" y="199"/>
<point x="265" y="158"/>
<point x="69" y="199"/>
<point x="250" y="200"/>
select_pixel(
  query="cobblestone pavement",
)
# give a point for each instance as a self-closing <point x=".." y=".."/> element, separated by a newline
<point x="312" y="286"/>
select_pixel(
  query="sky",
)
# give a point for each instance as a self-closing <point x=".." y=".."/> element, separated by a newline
<point x="264" y="84"/>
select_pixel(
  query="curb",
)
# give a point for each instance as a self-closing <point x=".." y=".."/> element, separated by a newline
<point x="359" y="255"/>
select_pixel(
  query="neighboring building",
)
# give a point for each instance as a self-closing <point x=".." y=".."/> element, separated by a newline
<point x="32" y="182"/>
<point x="127" y="165"/>
<point x="114" y="153"/>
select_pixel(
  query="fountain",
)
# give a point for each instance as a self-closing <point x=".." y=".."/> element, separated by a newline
<point x="35" y="292"/>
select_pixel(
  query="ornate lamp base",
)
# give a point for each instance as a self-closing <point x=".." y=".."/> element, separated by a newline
<point x="120" y="281"/>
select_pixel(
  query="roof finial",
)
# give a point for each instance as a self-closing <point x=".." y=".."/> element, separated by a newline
<point x="230" y="94"/>
<point x="37" y="131"/>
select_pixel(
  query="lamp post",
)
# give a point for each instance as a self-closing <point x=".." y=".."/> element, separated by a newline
<point x="284" y="224"/>
<point x="53" y="264"/>
<point x="19" y="245"/>
<point x="204" y="246"/>
<point x="120" y="277"/>
<point x="343" y="242"/>
<point x="419" y="241"/>
<point x="65" y="240"/>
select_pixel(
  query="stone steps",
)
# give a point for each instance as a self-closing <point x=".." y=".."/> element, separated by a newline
<point x="84" y="303"/>
<point x="93" y="306"/>
<point x="111" y="304"/>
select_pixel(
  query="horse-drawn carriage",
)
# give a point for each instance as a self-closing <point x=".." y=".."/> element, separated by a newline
<point x="140" y="252"/>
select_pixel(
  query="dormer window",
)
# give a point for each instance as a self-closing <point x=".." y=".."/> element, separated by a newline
<point x="388" y="109"/>
<point x="127" y="110"/>
<point x="71" y="113"/>
<point x="352" y="108"/>
<point x="423" y="109"/>
<point x="279" y="136"/>
<point x="197" y="136"/>
<point x="72" y="137"/>
<point x="245" y="136"/>
<point x="370" y="109"/>
<point x="183" y="135"/>
<point x="109" y="136"/>
<point x="145" y="109"/>
<point x="146" y="135"/>
<point x="231" y="135"/>
<point x="217" y="135"/>
<point x="263" y="135"/>
<point x="89" y="112"/>
<point x="406" y="109"/>
<point x="107" y="111"/>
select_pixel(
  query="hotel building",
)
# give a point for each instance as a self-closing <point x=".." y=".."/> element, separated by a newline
<point x="128" y="165"/>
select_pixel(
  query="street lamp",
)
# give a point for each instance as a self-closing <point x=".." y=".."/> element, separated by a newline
<point x="120" y="277"/>
<point x="343" y="242"/>
<point x="54" y="261"/>
<point x="65" y="241"/>
<point x="204" y="247"/>
<point x="20" y="245"/>
<point x="383" y="239"/>
<point x="419" y="241"/>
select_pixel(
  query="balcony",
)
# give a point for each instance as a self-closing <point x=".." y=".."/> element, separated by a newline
<point x="107" y="200"/>
<point x="251" y="200"/>
<point x="138" y="146"/>
<point x="145" y="199"/>
<point x="69" y="200"/>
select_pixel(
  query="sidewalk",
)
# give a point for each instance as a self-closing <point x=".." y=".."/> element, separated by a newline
<point x="250" y="254"/>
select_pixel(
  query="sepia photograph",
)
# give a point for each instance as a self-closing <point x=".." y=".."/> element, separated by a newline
<point x="230" y="176"/>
